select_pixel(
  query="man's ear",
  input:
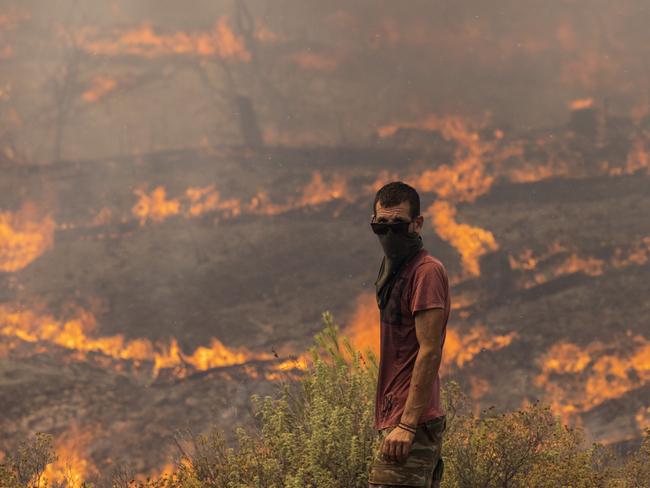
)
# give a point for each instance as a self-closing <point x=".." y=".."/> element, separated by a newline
<point x="419" y="222"/>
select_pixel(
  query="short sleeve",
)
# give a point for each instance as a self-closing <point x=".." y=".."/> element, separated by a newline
<point x="430" y="287"/>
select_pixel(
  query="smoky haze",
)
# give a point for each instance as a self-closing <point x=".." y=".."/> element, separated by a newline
<point x="185" y="187"/>
<point x="83" y="80"/>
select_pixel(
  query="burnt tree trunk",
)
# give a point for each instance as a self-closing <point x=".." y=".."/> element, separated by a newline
<point x="250" y="129"/>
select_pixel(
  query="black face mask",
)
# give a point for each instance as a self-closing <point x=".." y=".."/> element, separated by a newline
<point x="398" y="249"/>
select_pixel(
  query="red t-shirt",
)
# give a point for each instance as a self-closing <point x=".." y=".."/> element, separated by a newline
<point x="420" y="285"/>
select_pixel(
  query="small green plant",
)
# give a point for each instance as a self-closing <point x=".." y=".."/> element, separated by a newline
<point x="528" y="447"/>
<point x="316" y="433"/>
<point x="636" y="472"/>
<point x="25" y="468"/>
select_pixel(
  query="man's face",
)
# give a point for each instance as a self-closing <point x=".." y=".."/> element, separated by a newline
<point x="398" y="213"/>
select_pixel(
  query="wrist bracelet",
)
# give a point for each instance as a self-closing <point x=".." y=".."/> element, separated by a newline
<point x="407" y="427"/>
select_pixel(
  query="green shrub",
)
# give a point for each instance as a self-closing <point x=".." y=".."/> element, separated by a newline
<point x="525" y="448"/>
<point x="316" y="433"/>
<point x="636" y="472"/>
<point x="25" y="467"/>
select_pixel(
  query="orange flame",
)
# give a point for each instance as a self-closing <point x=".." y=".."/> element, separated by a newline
<point x="23" y="238"/>
<point x="363" y="327"/>
<point x="316" y="192"/>
<point x="637" y="159"/>
<point x="9" y="20"/>
<point x="526" y="260"/>
<point x="72" y="467"/>
<point x="167" y="470"/>
<point x="287" y="369"/>
<point x="466" y="178"/>
<point x="75" y="334"/>
<point x="477" y="162"/>
<point x="574" y="263"/>
<point x="103" y="217"/>
<point x="301" y="362"/>
<point x="636" y="254"/>
<point x="99" y="87"/>
<point x="461" y="349"/>
<point x="144" y="41"/>
<point x="471" y="242"/>
<point x="208" y="199"/>
<point x="642" y="418"/>
<point x="154" y="206"/>
<point x="581" y="103"/>
<point x="529" y="172"/>
<point x="577" y="378"/>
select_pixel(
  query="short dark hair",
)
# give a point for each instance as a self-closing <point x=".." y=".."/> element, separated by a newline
<point x="396" y="192"/>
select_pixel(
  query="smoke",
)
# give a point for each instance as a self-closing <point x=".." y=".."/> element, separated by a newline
<point x="97" y="79"/>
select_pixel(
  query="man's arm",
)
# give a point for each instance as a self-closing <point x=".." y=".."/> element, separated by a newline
<point x="428" y="330"/>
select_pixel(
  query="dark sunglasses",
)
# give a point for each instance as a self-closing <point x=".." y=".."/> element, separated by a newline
<point x="382" y="228"/>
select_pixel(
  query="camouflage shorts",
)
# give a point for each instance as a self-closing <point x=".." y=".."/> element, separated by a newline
<point x="422" y="468"/>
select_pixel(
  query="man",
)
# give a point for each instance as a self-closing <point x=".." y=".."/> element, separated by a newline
<point x="413" y="298"/>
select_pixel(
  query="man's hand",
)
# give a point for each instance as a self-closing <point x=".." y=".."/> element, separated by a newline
<point x="397" y="445"/>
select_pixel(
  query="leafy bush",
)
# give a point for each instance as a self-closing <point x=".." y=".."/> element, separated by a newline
<point x="26" y="466"/>
<point x="519" y="449"/>
<point x="316" y="433"/>
<point x="636" y="473"/>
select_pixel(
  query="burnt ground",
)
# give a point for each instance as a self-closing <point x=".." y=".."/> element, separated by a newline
<point x="263" y="281"/>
